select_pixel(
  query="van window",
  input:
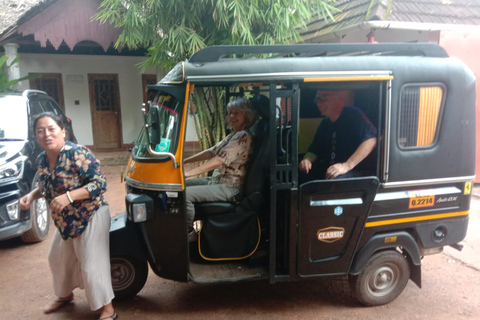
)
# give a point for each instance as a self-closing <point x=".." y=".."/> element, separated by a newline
<point x="50" y="106"/>
<point x="35" y="108"/>
<point x="420" y="110"/>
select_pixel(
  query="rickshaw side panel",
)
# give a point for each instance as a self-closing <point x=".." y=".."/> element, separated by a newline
<point x="441" y="221"/>
<point x="331" y="221"/>
<point x="452" y="154"/>
<point x="165" y="236"/>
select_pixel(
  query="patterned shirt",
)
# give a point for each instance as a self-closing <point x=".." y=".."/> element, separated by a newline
<point x="76" y="168"/>
<point x="234" y="151"/>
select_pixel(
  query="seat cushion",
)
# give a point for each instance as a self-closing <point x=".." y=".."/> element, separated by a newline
<point x="213" y="208"/>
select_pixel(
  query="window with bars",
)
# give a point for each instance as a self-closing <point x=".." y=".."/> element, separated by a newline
<point x="420" y="115"/>
<point x="52" y="84"/>
<point x="104" y="95"/>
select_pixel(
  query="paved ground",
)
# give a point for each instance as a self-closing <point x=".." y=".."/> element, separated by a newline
<point x="470" y="255"/>
<point x="450" y="281"/>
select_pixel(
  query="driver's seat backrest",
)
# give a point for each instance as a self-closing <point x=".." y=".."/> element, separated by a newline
<point x="256" y="178"/>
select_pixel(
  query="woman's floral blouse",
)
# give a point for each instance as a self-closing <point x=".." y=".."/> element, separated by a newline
<point x="76" y="168"/>
<point x="234" y="151"/>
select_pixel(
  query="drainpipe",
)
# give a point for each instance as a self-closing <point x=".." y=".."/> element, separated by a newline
<point x="11" y="50"/>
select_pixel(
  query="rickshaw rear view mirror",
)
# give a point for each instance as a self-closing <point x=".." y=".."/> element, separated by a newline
<point x="152" y="125"/>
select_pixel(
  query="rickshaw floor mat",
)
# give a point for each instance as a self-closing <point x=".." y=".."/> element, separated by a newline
<point x="226" y="271"/>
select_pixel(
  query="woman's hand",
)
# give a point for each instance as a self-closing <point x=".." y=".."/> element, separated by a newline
<point x="59" y="203"/>
<point x="26" y="201"/>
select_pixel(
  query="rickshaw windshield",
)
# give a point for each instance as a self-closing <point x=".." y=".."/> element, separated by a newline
<point x="161" y="134"/>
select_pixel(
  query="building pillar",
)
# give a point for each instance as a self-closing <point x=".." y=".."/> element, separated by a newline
<point x="11" y="51"/>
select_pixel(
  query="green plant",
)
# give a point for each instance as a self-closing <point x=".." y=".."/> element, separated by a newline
<point x="6" y="85"/>
<point x="173" y="30"/>
<point x="207" y="109"/>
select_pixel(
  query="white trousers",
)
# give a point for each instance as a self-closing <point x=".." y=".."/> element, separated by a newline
<point x="84" y="262"/>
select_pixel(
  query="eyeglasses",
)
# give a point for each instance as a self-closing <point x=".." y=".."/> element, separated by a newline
<point x="323" y="97"/>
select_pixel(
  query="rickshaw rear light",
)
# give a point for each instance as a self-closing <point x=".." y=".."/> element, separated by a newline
<point x="139" y="212"/>
<point x="140" y="207"/>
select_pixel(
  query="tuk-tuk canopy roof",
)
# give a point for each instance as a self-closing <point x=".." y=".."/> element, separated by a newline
<point x="225" y="63"/>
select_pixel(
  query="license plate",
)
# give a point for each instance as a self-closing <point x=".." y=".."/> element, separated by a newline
<point x="420" y="202"/>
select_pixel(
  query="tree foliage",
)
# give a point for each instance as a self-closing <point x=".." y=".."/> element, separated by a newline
<point x="173" y="30"/>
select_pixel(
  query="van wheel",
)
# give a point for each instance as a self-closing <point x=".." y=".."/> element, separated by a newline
<point x="128" y="276"/>
<point x="382" y="280"/>
<point x="39" y="214"/>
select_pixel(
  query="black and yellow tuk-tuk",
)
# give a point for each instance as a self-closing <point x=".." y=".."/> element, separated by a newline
<point x="373" y="229"/>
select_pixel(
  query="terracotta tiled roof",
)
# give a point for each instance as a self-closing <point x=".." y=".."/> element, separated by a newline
<point x="437" y="11"/>
<point x="14" y="11"/>
<point x="354" y="12"/>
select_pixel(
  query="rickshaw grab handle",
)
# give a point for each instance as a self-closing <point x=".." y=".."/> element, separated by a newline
<point x="163" y="154"/>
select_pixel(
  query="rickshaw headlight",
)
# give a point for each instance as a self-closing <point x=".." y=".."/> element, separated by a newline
<point x="139" y="207"/>
<point x="139" y="212"/>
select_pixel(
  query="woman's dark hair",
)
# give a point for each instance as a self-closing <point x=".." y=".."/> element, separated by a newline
<point x="55" y="117"/>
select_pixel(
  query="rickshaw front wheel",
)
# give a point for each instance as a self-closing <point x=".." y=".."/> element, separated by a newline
<point x="128" y="276"/>
<point x="382" y="280"/>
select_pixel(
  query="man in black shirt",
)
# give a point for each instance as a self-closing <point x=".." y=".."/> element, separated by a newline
<point x="343" y="139"/>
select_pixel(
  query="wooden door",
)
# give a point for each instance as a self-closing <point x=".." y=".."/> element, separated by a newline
<point x="52" y="84"/>
<point x="105" y="110"/>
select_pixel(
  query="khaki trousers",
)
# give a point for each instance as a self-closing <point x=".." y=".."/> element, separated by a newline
<point x="84" y="262"/>
<point x="198" y="190"/>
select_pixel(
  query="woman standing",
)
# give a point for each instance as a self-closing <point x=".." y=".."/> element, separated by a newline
<point x="229" y="159"/>
<point x="70" y="179"/>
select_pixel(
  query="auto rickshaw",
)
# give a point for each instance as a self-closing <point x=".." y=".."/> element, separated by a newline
<point x="373" y="229"/>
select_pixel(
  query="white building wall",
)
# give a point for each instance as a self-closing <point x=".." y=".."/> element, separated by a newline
<point x="75" y="70"/>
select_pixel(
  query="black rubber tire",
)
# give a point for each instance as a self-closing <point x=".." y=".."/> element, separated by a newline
<point x="40" y="216"/>
<point x="382" y="280"/>
<point x="128" y="276"/>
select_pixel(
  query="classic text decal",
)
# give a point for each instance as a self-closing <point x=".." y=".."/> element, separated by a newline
<point x="330" y="234"/>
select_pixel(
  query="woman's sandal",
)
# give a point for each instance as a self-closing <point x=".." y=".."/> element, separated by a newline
<point x="113" y="316"/>
<point x="57" y="304"/>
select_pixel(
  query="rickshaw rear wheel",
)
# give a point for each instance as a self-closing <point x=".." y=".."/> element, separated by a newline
<point x="128" y="276"/>
<point x="382" y="280"/>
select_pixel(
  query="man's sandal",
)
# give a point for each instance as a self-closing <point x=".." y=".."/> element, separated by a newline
<point x="57" y="304"/>
<point x="113" y="316"/>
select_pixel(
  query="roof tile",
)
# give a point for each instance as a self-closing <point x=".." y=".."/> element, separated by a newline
<point x="461" y="12"/>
